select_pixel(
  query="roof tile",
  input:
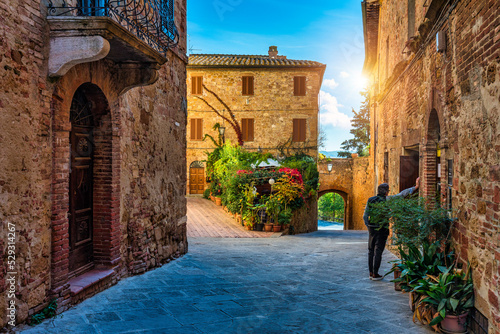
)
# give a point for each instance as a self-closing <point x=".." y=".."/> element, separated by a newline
<point x="203" y="60"/>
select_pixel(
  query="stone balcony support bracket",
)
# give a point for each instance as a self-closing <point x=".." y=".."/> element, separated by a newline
<point x="76" y="40"/>
<point x="66" y="52"/>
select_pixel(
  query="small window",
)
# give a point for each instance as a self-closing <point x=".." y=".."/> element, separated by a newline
<point x="196" y="129"/>
<point x="247" y="129"/>
<point x="247" y="85"/>
<point x="299" y="86"/>
<point x="197" y="85"/>
<point x="299" y="130"/>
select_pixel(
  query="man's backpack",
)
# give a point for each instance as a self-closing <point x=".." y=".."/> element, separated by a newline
<point x="379" y="219"/>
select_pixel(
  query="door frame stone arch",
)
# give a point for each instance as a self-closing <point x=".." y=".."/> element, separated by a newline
<point x="106" y="198"/>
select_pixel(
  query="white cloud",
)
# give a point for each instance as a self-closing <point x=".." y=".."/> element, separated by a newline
<point x="329" y="112"/>
<point x="330" y="83"/>
<point x="344" y="74"/>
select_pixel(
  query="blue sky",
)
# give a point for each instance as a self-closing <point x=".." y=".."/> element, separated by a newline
<point x="328" y="31"/>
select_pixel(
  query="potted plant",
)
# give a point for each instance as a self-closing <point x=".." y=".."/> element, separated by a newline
<point x="450" y="296"/>
<point x="417" y="263"/>
<point x="273" y="207"/>
<point x="260" y="210"/>
<point x="250" y="217"/>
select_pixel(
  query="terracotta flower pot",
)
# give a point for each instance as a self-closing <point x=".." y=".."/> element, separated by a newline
<point x="268" y="227"/>
<point x="276" y="228"/>
<point x="455" y="323"/>
<point x="218" y="201"/>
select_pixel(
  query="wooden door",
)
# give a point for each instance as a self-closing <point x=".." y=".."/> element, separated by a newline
<point x="408" y="171"/>
<point x="81" y="187"/>
<point x="196" y="180"/>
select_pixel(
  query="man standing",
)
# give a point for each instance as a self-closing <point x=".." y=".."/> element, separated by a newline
<point x="378" y="235"/>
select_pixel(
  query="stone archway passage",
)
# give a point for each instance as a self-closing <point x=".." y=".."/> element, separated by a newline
<point x="344" y="198"/>
<point x="353" y="180"/>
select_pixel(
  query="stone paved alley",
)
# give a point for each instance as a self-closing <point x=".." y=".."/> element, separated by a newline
<point x="315" y="283"/>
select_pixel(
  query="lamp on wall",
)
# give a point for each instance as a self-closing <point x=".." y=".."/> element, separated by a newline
<point x="222" y="131"/>
<point x="329" y="167"/>
<point x="271" y="182"/>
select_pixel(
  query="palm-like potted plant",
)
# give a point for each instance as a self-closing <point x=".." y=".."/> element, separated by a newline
<point x="450" y="296"/>
<point x="273" y="207"/>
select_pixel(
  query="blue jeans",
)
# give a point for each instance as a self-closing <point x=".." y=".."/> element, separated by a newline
<point x="376" y="246"/>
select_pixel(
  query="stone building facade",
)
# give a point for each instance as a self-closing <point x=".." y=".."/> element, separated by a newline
<point x="272" y="98"/>
<point x="435" y="105"/>
<point x="92" y="123"/>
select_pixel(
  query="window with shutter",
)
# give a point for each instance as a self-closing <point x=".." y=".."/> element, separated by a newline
<point x="299" y="130"/>
<point x="196" y="129"/>
<point x="197" y="85"/>
<point x="247" y="129"/>
<point x="299" y="86"/>
<point x="247" y="85"/>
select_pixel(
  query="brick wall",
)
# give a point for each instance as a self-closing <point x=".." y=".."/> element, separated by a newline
<point x="448" y="99"/>
<point x="139" y="216"/>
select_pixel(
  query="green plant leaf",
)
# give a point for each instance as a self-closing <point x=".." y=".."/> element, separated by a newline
<point x="442" y="304"/>
<point x="436" y="320"/>
<point x="454" y="303"/>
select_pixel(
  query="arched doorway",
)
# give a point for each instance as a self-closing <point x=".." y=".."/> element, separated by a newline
<point x="196" y="178"/>
<point x="333" y="210"/>
<point x="89" y="178"/>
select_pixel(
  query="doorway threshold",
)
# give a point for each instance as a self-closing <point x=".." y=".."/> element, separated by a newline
<point x="88" y="280"/>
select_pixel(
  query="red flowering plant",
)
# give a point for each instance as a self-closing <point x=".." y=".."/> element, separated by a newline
<point x="294" y="174"/>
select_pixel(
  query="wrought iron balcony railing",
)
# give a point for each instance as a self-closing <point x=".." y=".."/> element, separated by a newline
<point x="150" y="20"/>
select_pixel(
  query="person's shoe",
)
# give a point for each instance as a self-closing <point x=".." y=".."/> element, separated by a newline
<point x="377" y="277"/>
<point x="371" y="275"/>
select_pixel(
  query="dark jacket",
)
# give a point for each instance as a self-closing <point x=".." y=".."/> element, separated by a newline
<point x="380" y="198"/>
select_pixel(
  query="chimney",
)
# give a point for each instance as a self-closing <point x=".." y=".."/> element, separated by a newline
<point x="273" y="52"/>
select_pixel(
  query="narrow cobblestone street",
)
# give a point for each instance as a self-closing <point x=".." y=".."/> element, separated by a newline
<point x="314" y="283"/>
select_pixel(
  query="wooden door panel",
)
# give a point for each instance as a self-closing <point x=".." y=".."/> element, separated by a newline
<point x="197" y="180"/>
<point x="81" y="200"/>
<point x="408" y="171"/>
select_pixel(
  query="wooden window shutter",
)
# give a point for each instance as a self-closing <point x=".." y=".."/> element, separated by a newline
<point x="250" y="129"/>
<point x="199" y="132"/>
<point x="244" y="129"/>
<point x="299" y="86"/>
<point x="302" y="130"/>
<point x="193" y="128"/>
<point x="244" y="86"/>
<point x="295" y="136"/>
<point x="250" y="85"/>
<point x="196" y="128"/>
<point x="247" y="129"/>
<point x="247" y="85"/>
<point x="299" y="130"/>
<point x="196" y="85"/>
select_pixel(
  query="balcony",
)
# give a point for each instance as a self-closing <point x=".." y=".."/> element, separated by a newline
<point x="124" y="31"/>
